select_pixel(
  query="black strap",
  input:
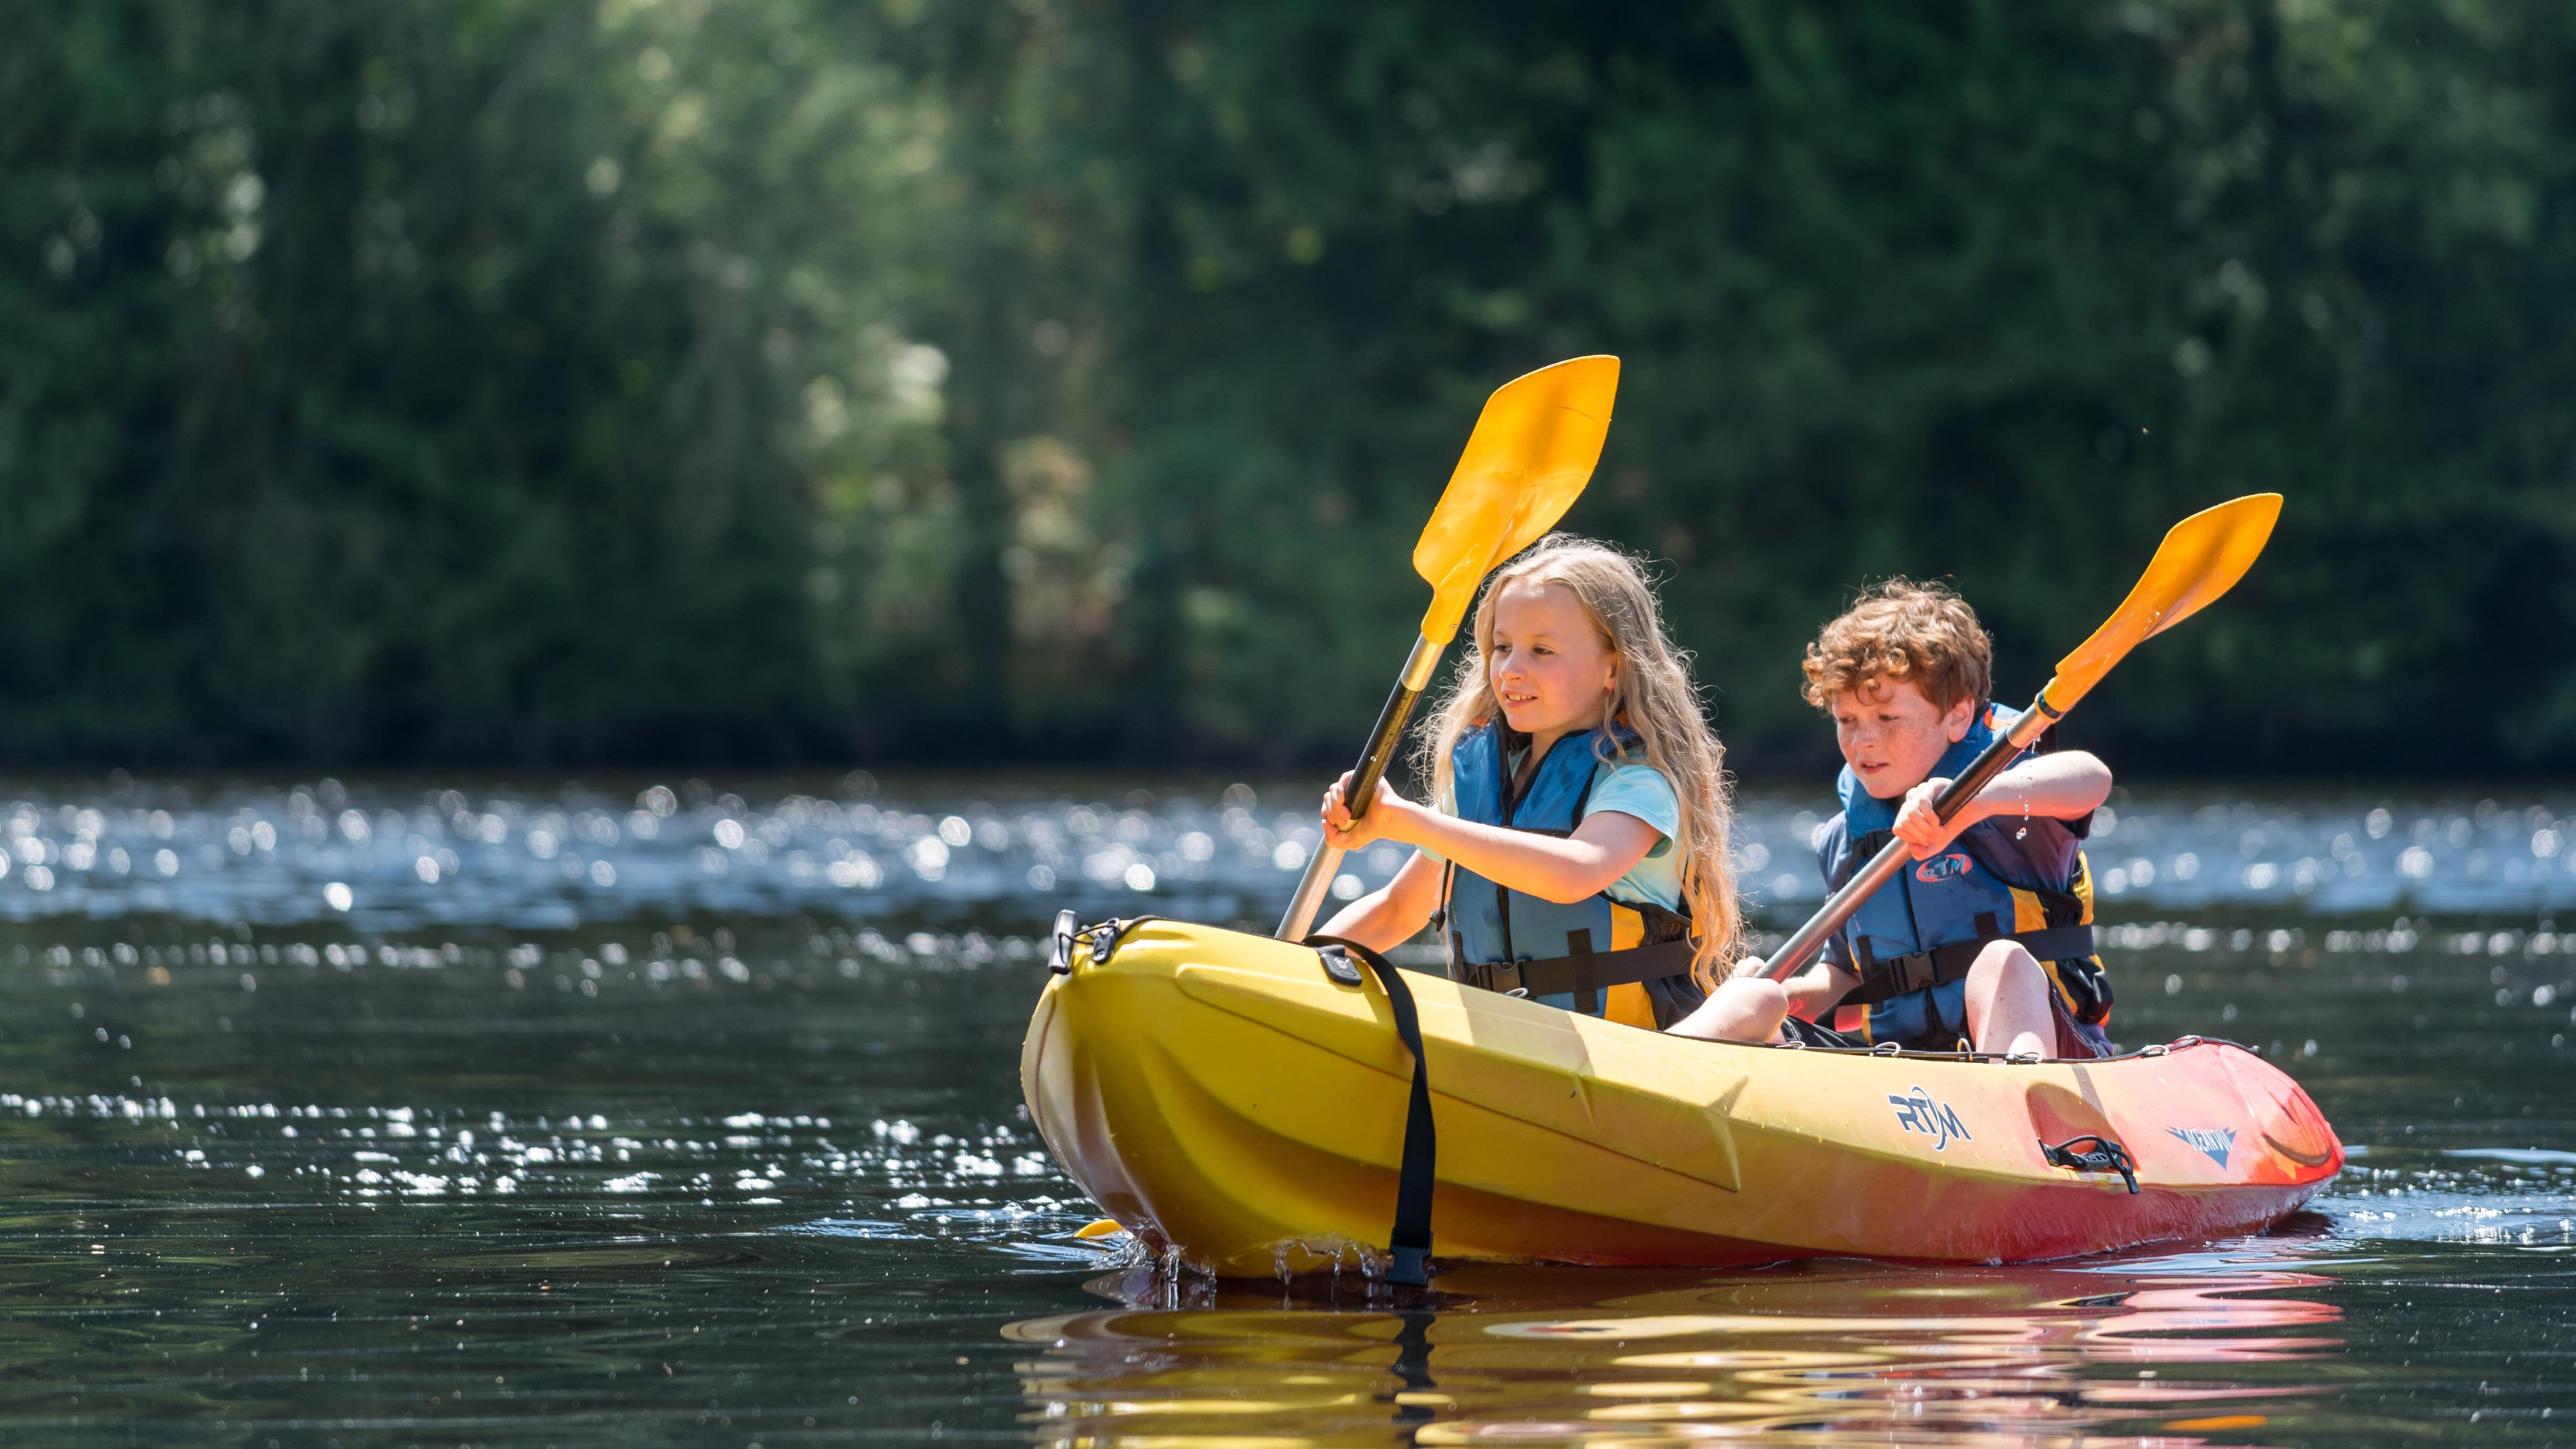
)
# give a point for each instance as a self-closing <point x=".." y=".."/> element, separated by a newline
<point x="1413" y="1367"/>
<point x="1410" y="1242"/>
<point x="1944" y="964"/>
<point x="1592" y="972"/>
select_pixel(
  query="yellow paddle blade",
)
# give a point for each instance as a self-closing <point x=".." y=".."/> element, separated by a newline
<point x="2201" y="558"/>
<point x="1527" y="461"/>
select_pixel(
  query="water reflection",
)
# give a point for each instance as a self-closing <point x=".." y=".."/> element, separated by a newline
<point x="2126" y="1351"/>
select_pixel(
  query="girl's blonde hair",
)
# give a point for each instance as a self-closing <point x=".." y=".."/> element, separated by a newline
<point x="1653" y="695"/>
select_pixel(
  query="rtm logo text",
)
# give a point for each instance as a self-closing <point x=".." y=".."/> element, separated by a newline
<point x="1917" y="1112"/>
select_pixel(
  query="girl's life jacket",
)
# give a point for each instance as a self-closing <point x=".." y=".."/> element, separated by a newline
<point x="1627" y="960"/>
<point x="2007" y="877"/>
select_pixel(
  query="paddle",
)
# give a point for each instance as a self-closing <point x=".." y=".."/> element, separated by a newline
<point x="2201" y="558"/>
<point x="1532" y="451"/>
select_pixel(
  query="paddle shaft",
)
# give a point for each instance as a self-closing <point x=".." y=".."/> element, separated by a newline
<point x="1807" y="940"/>
<point x="1327" y="860"/>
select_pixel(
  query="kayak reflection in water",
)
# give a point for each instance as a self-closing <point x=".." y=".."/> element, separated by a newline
<point x="1985" y="941"/>
<point x="1577" y="849"/>
<point x="2114" y="1350"/>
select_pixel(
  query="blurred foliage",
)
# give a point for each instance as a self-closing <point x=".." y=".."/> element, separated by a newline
<point x="1068" y="378"/>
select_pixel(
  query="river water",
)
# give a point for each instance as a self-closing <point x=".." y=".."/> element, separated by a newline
<point x="465" y="1111"/>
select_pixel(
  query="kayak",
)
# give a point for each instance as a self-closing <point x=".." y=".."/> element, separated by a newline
<point x="1239" y="1104"/>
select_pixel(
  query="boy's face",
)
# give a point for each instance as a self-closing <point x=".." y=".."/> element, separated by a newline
<point x="1549" y="668"/>
<point x="1892" y="735"/>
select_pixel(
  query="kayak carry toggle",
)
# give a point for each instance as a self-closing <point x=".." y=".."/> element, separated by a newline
<point x="1060" y="950"/>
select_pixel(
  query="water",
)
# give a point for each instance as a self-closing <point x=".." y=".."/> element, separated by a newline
<point x="587" y="1116"/>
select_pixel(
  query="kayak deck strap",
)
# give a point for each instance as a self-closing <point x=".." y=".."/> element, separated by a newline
<point x="1409" y="1243"/>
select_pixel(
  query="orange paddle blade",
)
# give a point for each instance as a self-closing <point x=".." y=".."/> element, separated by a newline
<point x="1533" y="449"/>
<point x="2201" y="558"/>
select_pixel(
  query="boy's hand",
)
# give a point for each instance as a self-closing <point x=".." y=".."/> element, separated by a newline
<point x="1341" y="832"/>
<point x="1919" y="827"/>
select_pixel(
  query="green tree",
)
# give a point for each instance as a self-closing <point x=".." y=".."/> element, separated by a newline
<point x="1067" y="378"/>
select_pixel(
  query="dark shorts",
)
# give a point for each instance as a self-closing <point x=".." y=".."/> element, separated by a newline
<point x="1807" y="1033"/>
<point x="1942" y="1027"/>
<point x="2075" y="1040"/>
<point x="1934" y="1019"/>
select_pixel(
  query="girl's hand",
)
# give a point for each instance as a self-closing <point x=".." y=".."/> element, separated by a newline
<point x="1341" y="832"/>
<point x="1919" y="827"/>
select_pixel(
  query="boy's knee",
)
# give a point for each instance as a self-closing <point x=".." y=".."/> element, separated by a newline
<point x="2001" y="961"/>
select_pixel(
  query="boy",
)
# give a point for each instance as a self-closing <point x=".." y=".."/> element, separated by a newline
<point x="1984" y="941"/>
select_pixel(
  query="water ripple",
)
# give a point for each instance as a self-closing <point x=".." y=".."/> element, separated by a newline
<point x="391" y="860"/>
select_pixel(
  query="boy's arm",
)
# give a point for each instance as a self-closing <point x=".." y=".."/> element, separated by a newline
<point x="2067" y="785"/>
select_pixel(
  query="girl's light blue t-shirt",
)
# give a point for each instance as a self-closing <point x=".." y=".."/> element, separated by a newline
<point x="1643" y="792"/>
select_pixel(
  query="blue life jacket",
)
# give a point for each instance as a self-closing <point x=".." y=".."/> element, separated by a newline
<point x="1912" y="943"/>
<point x="1577" y="955"/>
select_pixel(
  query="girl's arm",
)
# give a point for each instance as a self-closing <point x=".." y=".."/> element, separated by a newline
<point x="1390" y="915"/>
<point x="1604" y="847"/>
<point x="2060" y="786"/>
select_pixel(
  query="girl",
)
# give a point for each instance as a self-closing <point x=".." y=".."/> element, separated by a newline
<point x="1577" y="853"/>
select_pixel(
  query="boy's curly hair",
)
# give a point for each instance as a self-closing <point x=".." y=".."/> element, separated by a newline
<point x="1901" y="629"/>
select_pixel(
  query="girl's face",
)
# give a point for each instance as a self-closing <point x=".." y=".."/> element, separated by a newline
<point x="1547" y="664"/>
<point x="1892" y="734"/>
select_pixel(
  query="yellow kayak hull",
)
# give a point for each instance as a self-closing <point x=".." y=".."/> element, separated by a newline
<point x="1243" y="1114"/>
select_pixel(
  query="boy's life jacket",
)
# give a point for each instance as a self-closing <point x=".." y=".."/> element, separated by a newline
<point x="2004" y="878"/>
<point x="1576" y="956"/>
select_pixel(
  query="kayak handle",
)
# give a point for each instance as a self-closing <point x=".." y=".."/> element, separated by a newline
<point x="2106" y="1156"/>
